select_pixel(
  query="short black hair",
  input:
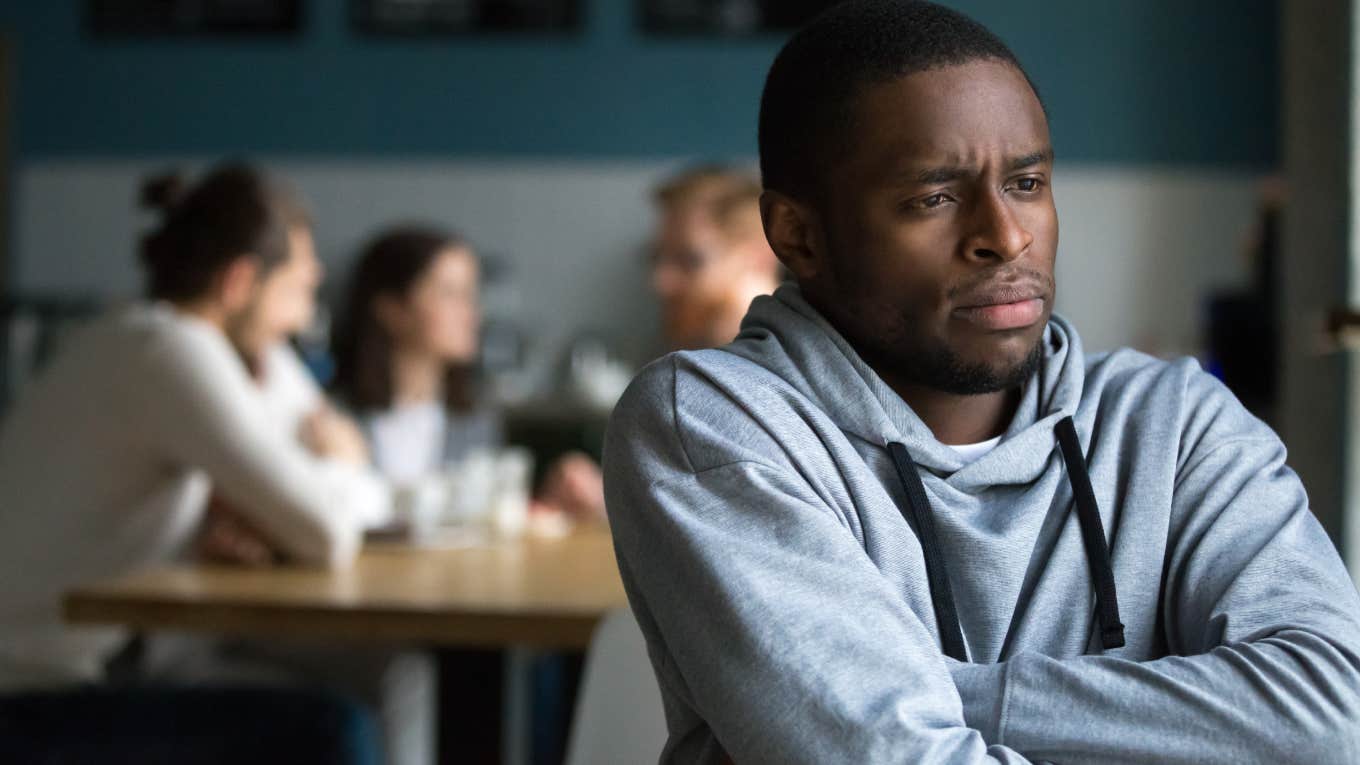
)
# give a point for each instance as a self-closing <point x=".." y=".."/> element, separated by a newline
<point x="810" y="90"/>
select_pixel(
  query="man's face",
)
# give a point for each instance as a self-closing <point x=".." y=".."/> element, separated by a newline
<point x="940" y="231"/>
<point x="687" y="244"/>
<point x="691" y="269"/>
<point x="283" y="302"/>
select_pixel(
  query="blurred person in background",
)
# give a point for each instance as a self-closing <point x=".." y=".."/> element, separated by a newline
<point x="182" y="425"/>
<point x="108" y="459"/>
<point x="711" y="258"/>
<point x="406" y="348"/>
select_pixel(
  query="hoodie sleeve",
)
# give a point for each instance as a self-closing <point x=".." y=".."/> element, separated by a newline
<point x="774" y="637"/>
<point x="1262" y="622"/>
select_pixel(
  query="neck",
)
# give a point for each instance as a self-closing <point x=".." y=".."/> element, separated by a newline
<point x="958" y="419"/>
<point x="204" y="310"/>
<point x="214" y="314"/>
<point x="416" y="378"/>
<point x="952" y="418"/>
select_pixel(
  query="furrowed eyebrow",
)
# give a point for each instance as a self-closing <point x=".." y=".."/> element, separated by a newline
<point x="1031" y="159"/>
<point x="943" y="174"/>
<point x="948" y="173"/>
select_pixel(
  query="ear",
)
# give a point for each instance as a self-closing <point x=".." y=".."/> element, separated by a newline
<point x="794" y="233"/>
<point x="239" y="282"/>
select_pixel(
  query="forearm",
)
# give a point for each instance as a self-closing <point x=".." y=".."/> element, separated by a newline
<point x="1291" y="697"/>
<point x="781" y="673"/>
<point x="197" y="408"/>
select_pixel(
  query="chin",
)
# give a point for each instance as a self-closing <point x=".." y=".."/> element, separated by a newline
<point x="458" y="356"/>
<point x="978" y="368"/>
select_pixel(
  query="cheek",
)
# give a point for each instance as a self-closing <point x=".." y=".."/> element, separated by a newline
<point x="450" y="328"/>
<point x="713" y="277"/>
<point x="903" y="268"/>
<point x="680" y="284"/>
<point x="667" y="280"/>
<point x="286" y="304"/>
<point x="295" y="311"/>
<point x="1042" y="222"/>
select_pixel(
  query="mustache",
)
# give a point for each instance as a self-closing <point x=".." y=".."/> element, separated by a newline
<point x="1003" y="276"/>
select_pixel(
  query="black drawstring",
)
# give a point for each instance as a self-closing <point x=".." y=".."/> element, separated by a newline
<point x="1092" y="532"/>
<point x="946" y="616"/>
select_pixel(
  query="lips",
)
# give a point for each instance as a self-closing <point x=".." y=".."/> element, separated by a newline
<point x="1002" y="307"/>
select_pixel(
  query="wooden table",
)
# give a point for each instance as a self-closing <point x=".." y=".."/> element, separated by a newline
<point x="540" y="592"/>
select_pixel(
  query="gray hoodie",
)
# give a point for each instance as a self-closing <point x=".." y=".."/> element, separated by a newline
<point x="761" y="530"/>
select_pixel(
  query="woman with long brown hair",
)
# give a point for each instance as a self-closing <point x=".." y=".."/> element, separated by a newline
<point x="406" y="347"/>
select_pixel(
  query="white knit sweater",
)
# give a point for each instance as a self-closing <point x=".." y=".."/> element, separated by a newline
<point x="108" y="457"/>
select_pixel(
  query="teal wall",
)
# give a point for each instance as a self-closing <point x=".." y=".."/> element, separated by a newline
<point x="1126" y="82"/>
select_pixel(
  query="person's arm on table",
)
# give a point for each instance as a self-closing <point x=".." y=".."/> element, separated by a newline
<point x="225" y="537"/>
<point x="206" y="414"/>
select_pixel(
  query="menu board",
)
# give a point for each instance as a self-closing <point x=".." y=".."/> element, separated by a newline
<point x="192" y="18"/>
<point x="727" y="17"/>
<point x="445" y="17"/>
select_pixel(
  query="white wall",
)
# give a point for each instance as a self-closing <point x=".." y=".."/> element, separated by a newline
<point x="572" y="233"/>
<point x="1139" y="250"/>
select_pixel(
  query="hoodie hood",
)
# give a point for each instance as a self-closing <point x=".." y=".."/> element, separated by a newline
<point x="786" y="335"/>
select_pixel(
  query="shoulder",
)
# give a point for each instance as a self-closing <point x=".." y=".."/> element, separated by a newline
<point x="177" y="366"/>
<point x="699" y="410"/>
<point x="688" y="382"/>
<point x="159" y="337"/>
<point x="1175" y="397"/>
<point x="1126" y="373"/>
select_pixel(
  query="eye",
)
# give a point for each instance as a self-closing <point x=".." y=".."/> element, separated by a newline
<point x="930" y="203"/>
<point x="1028" y="185"/>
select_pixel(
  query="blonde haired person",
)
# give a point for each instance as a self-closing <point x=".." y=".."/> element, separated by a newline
<point x="710" y="257"/>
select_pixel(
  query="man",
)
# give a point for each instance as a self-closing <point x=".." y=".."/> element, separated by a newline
<point x="711" y="260"/>
<point x="108" y="458"/>
<point x="711" y="257"/>
<point x="185" y="424"/>
<point x="905" y="518"/>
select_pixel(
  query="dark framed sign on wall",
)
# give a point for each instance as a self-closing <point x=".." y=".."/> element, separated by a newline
<point x="422" y="18"/>
<point x="193" y="18"/>
<point x="727" y="17"/>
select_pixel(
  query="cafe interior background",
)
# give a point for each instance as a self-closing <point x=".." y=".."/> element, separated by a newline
<point x="539" y="128"/>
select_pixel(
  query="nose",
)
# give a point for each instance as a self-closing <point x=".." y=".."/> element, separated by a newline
<point x="998" y="233"/>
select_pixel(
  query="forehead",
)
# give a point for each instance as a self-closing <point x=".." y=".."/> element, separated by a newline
<point x="685" y="225"/>
<point x="456" y="261"/>
<point x="958" y="115"/>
